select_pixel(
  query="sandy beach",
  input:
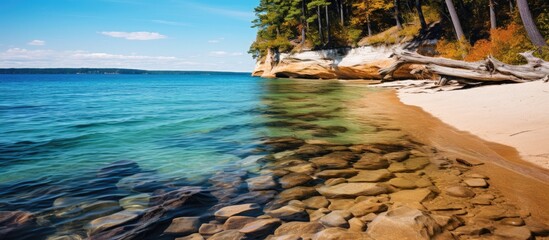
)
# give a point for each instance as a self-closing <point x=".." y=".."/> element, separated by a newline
<point x="513" y="114"/>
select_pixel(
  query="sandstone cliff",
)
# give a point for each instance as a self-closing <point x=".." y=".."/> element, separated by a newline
<point x="344" y="63"/>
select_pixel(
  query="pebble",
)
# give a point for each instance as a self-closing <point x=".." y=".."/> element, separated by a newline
<point x="460" y="191"/>
<point x="402" y="183"/>
<point x="249" y="209"/>
<point x="316" y="202"/>
<point x="294" y="179"/>
<point x="334" y="181"/>
<point x="475" y="182"/>
<point x="336" y="219"/>
<point x="183" y="226"/>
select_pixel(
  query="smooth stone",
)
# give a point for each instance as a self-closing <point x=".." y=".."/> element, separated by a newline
<point x="341" y="204"/>
<point x="403" y="223"/>
<point x="261" y="183"/>
<point x="334" y="181"/>
<point x="368" y="217"/>
<point x="396" y="156"/>
<point x="356" y="225"/>
<point x="289" y="213"/>
<point x="471" y="230"/>
<point x="476" y="182"/>
<point x="409" y="196"/>
<point x="371" y="176"/>
<point x="486" y="196"/>
<point x="65" y="237"/>
<point x="371" y="161"/>
<point x="14" y="222"/>
<point x="402" y="183"/>
<point x="297" y="203"/>
<point x="307" y="168"/>
<point x="416" y="163"/>
<point x="365" y="207"/>
<point x="183" y="226"/>
<point x="294" y="179"/>
<point x="237" y="222"/>
<point x="459" y="191"/>
<point x="336" y="219"/>
<point x="480" y="201"/>
<point x="447" y="222"/>
<point x="109" y="221"/>
<point x="340" y="234"/>
<point x="316" y="202"/>
<point x="262" y="227"/>
<point x="351" y="190"/>
<point x="249" y="209"/>
<point x="194" y="236"/>
<point x="512" y="221"/>
<point x="297" y="193"/>
<point x="309" y="150"/>
<point x="509" y="232"/>
<point x="360" y="148"/>
<point x="397" y="167"/>
<point x="210" y="228"/>
<point x="343" y="173"/>
<point x="139" y="182"/>
<point x="326" y="162"/>
<point x="316" y="215"/>
<point x="299" y="228"/>
<point x="228" y="235"/>
<point x="494" y="213"/>
<point x="139" y="201"/>
<point x="284" y="237"/>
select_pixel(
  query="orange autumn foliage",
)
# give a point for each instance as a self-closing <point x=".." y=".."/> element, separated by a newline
<point x="505" y="44"/>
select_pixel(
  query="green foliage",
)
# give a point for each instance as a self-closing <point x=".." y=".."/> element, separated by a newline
<point x="339" y="23"/>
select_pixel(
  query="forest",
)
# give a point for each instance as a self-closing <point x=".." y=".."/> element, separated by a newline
<point x="467" y="30"/>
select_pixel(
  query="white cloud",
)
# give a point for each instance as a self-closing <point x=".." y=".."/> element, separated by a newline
<point x="37" y="43"/>
<point x="43" y="58"/>
<point x="224" y="53"/>
<point x="135" y="35"/>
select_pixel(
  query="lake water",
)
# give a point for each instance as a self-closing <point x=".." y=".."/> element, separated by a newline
<point x="58" y="131"/>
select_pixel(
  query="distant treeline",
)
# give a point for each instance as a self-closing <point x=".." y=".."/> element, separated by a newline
<point x="99" y="71"/>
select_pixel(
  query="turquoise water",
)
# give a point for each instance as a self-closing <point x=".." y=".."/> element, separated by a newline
<point x="179" y="125"/>
<point x="59" y="132"/>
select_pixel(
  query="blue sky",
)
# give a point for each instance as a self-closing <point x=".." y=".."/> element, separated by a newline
<point x="143" y="34"/>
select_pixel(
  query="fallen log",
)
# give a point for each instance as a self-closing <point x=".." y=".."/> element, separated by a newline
<point x="489" y="70"/>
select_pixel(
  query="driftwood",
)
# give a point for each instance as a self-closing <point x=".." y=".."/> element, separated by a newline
<point x="489" y="70"/>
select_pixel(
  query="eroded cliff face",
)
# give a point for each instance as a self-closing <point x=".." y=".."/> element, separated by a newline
<point x="349" y="63"/>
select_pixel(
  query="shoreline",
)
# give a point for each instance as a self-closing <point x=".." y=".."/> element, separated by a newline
<point x="522" y="182"/>
<point x="509" y="114"/>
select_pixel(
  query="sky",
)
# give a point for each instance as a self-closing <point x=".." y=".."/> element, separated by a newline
<point x="212" y="35"/>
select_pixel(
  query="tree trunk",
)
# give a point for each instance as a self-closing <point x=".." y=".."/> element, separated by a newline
<point x="455" y="20"/>
<point x="327" y="24"/>
<point x="369" y="25"/>
<point x="319" y="24"/>
<point x="342" y="13"/>
<point x="529" y="24"/>
<point x="397" y="14"/>
<point x="511" y="6"/>
<point x="420" y="15"/>
<point x="303" y="22"/>
<point x="493" y="24"/>
<point x="488" y="70"/>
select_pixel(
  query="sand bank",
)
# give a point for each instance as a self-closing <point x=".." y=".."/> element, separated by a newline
<point x="516" y="115"/>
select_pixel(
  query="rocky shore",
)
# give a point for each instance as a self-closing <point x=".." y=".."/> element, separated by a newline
<point x="346" y="63"/>
<point x="389" y="186"/>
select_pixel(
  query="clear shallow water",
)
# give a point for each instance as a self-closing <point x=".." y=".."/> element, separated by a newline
<point x="58" y="131"/>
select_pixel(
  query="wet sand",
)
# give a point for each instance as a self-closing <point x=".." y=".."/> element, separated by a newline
<point x="522" y="182"/>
